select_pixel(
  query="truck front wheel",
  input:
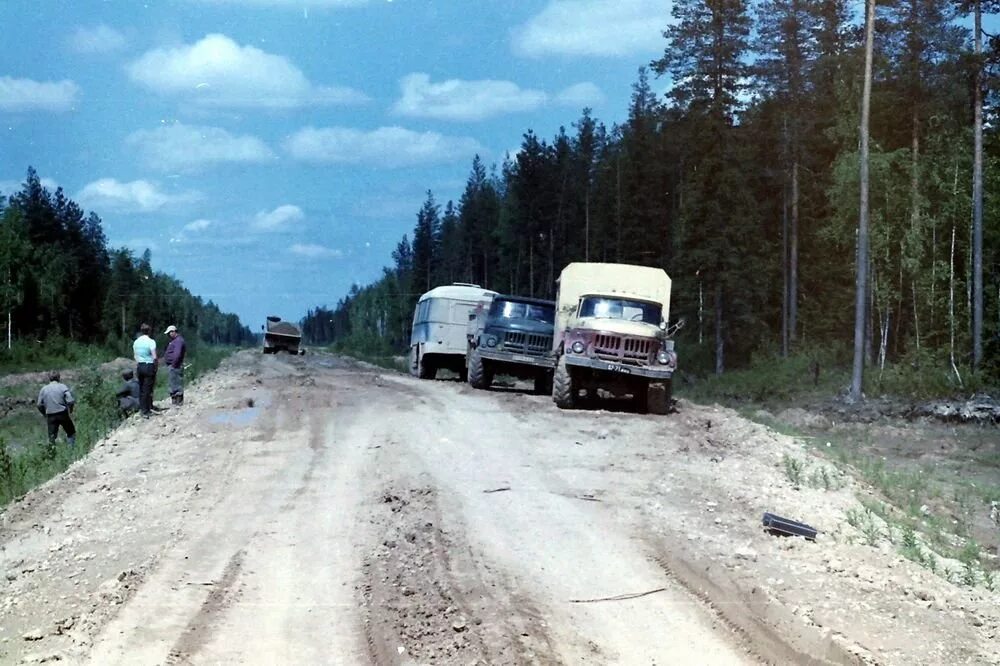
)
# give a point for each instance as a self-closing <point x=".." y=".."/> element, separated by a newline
<point x="563" y="390"/>
<point x="658" y="397"/>
<point x="478" y="376"/>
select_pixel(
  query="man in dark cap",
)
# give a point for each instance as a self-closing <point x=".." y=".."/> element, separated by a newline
<point x="128" y="394"/>
<point x="55" y="403"/>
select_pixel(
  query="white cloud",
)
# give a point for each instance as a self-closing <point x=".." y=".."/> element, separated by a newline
<point x="595" y="28"/>
<point x="96" y="39"/>
<point x="198" y="225"/>
<point x="455" y="99"/>
<point x="580" y="95"/>
<point x="137" y="196"/>
<point x="313" y="251"/>
<point x="218" y="72"/>
<point x="278" y="219"/>
<point x="383" y="147"/>
<point x="187" y="147"/>
<point x="28" y="95"/>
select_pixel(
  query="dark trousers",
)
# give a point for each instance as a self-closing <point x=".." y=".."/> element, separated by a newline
<point x="60" y="419"/>
<point x="146" y="372"/>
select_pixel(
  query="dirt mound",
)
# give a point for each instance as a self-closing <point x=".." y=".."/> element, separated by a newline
<point x="67" y="375"/>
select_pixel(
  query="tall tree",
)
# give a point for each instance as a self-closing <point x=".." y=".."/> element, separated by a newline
<point x="787" y="31"/>
<point x="705" y="56"/>
<point x="425" y="242"/>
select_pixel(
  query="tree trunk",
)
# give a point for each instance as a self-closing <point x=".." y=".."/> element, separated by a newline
<point x="977" y="198"/>
<point x="784" y="271"/>
<point x="618" y="208"/>
<point x="951" y="307"/>
<point x="915" y="216"/>
<point x="793" y="257"/>
<point x="719" y="344"/>
<point x="861" y="283"/>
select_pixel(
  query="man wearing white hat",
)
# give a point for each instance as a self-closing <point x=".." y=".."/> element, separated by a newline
<point x="174" y="358"/>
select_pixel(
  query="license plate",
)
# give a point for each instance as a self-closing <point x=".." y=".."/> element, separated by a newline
<point x="523" y="359"/>
<point x="618" y="368"/>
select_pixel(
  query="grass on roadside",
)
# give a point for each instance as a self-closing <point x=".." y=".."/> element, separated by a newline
<point x="53" y="353"/>
<point x="27" y="460"/>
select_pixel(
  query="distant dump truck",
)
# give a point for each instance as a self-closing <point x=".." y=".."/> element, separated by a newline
<point x="440" y="323"/>
<point x="281" y="335"/>
<point x="611" y="334"/>
<point x="512" y="336"/>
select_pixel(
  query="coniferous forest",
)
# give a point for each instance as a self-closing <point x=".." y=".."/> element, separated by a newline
<point x="742" y="182"/>
<point x="59" y="280"/>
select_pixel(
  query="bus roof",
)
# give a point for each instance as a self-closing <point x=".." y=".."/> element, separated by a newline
<point x="459" y="292"/>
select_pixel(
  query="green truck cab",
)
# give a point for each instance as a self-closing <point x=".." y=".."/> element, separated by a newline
<point x="512" y="335"/>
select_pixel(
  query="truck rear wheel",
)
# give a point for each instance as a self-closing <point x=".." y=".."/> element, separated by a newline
<point x="420" y="366"/>
<point x="563" y="390"/>
<point x="478" y="376"/>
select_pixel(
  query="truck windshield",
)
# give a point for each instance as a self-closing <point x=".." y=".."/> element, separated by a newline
<point x="516" y="310"/>
<point x="618" y="308"/>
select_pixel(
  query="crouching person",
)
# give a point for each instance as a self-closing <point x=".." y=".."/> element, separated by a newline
<point x="55" y="403"/>
<point x="128" y="394"/>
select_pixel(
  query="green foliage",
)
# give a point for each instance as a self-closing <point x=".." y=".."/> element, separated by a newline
<point x="770" y="377"/>
<point x="793" y="469"/>
<point x="865" y="521"/>
<point x="76" y="291"/>
<point x="27" y="460"/>
<point x="698" y="182"/>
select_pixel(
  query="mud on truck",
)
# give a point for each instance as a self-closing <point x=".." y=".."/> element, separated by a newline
<point x="281" y="336"/>
<point x="611" y="335"/>
<point x="512" y="336"/>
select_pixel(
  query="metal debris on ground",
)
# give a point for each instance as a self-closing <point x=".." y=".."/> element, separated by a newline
<point x="779" y="526"/>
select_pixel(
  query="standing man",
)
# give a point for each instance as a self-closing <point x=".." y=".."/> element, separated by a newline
<point x="55" y="403"/>
<point x="144" y="349"/>
<point x="174" y="358"/>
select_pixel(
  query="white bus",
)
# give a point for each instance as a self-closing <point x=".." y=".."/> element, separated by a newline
<point x="439" y="338"/>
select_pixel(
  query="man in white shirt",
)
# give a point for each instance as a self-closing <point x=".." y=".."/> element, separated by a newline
<point x="144" y="349"/>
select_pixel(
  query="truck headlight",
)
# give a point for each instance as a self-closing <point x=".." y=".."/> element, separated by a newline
<point x="491" y="341"/>
<point x="664" y="357"/>
<point x="577" y="347"/>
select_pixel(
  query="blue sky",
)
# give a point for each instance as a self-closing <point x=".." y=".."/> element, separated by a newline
<point x="272" y="152"/>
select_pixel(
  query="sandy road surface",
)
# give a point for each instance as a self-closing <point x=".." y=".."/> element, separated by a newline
<point x="310" y="510"/>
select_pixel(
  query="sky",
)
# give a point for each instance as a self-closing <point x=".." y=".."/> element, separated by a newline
<point x="270" y="153"/>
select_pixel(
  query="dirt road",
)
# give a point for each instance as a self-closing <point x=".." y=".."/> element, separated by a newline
<point x="312" y="510"/>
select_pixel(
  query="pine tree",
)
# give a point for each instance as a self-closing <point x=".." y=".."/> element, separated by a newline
<point x="705" y="58"/>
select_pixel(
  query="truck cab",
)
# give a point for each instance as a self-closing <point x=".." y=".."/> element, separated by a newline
<point x="611" y="335"/>
<point x="512" y="336"/>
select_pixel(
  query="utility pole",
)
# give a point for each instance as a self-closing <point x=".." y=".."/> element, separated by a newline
<point x="861" y="283"/>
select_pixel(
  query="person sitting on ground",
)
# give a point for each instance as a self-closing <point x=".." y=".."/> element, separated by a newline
<point x="128" y="394"/>
<point x="55" y="403"/>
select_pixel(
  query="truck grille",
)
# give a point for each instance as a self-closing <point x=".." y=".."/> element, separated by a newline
<point x="527" y="343"/>
<point x="634" y="351"/>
